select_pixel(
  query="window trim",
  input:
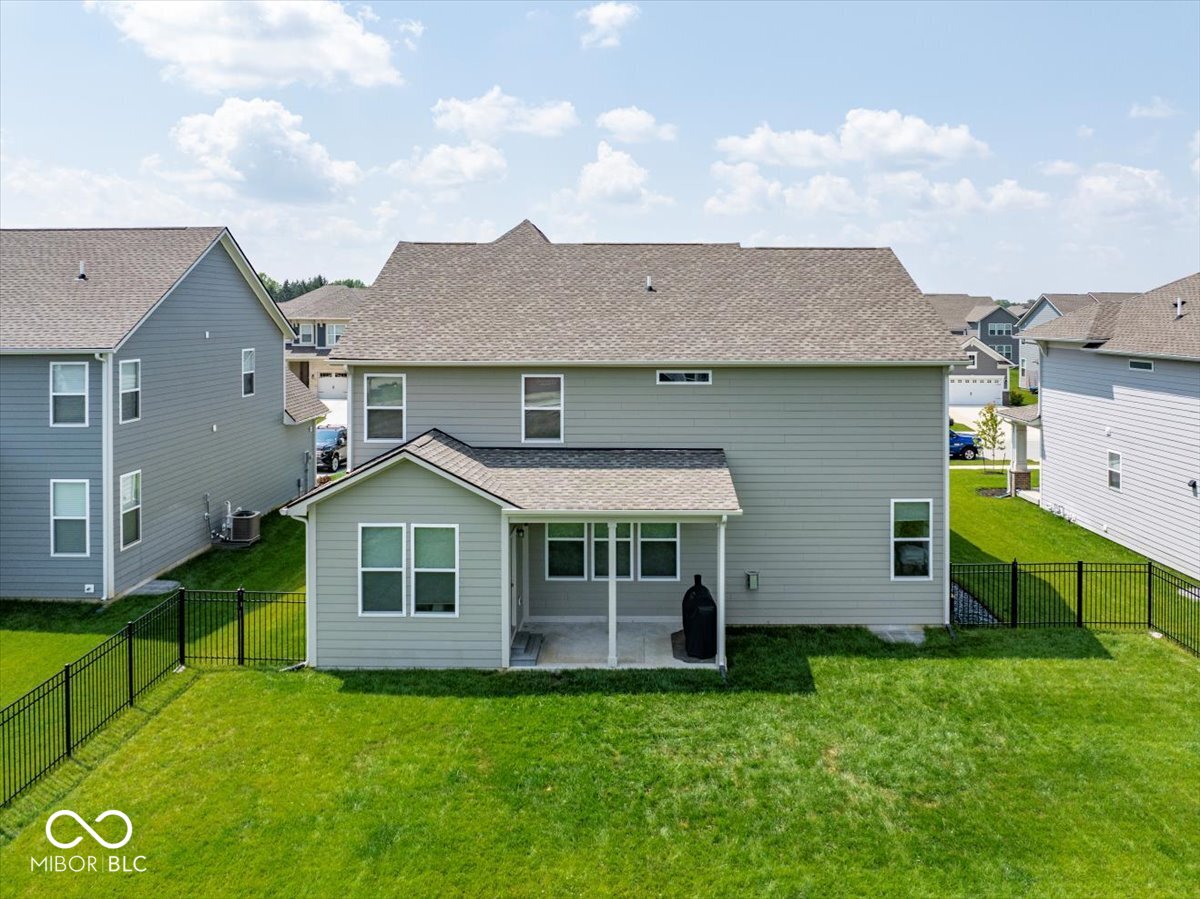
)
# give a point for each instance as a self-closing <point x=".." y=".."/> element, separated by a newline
<point x="121" y="510"/>
<point x="251" y="372"/>
<point x="329" y="326"/>
<point x="1118" y="471"/>
<point x="87" y="406"/>
<point x="892" y="538"/>
<point x="1149" y="363"/>
<point x="414" y="570"/>
<point x="312" y="334"/>
<point x="121" y="419"/>
<point x="678" y="541"/>
<point x="546" y="538"/>
<point x="561" y="409"/>
<point x="974" y="363"/>
<point x="683" y="371"/>
<point x="403" y="611"/>
<point x="996" y="329"/>
<point x="604" y="539"/>
<point x="403" y="407"/>
<point x="87" y="518"/>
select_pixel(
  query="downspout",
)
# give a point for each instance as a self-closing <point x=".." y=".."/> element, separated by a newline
<point x="945" y="498"/>
<point x="106" y="479"/>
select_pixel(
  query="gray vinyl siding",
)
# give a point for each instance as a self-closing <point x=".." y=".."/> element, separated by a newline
<point x="816" y="455"/>
<point x="31" y="454"/>
<point x="1029" y="349"/>
<point x="985" y="366"/>
<point x="999" y="315"/>
<point x="191" y="383"/>
<point x="1093" y="404"/>
<point x="406" y="493"/>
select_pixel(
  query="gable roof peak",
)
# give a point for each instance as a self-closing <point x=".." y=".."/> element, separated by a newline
<point x="526" y="233"/>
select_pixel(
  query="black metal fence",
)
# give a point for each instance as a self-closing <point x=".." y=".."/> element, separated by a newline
<point x="1077" y="594"/>
<point x="49" y="722"/>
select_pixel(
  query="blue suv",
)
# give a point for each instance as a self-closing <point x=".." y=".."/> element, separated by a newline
<point x="962" y="446"/>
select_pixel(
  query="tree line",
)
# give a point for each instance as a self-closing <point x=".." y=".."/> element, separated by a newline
<point x="289" y="289"/>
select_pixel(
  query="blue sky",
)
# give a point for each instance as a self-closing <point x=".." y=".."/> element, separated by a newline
<point x="1003" y="149"/>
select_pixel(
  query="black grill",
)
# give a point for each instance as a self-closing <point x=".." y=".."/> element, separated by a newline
<point x="699" y="622"/>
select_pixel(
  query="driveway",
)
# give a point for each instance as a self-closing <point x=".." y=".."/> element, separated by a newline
<point x="337" y="412"/>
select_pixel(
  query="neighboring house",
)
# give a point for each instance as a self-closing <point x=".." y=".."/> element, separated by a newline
<point x="565" y="434"/>
<point x="993" y="325"/>
<point x="1046" y="308"/>
<point x="142" y="386"/>
<point x="318" y="319"/>
<point x="1119" y="412"/>
<point x="984" y="377"/>
<point x="953" y="309"/>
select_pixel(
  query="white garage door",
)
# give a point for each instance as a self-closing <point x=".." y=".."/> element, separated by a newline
<point x="975" y="391"/>
<point x="332" y="386"/>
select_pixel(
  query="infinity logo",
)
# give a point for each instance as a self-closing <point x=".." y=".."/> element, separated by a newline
<point x="95" y="836"/>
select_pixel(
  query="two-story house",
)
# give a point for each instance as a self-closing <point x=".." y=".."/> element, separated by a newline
<point x="953" y="309"/>
<point x="1046" y="308"/>
<point x="142" y="388"/>
<point x="993" y="324"/>
<point x="549" y="439"/>
<point x="318" y="319"/>
<point x="1119" y="416"/>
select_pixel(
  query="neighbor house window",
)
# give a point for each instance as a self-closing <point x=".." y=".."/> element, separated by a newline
<point x="308" y="332"/>
<point x="435" y="569"/>
<point x="600" y="552"/>
<point x="911" y="542"/>
<point x="381" y="569"/>
<point x="658" y="552"/>
<point x="131" y="509"/>
<point x="1141" y="364"/>
<point x="248" y="372"/>
<point x="541" y="408"/>
<point x="333" y="333"/>
<point x="69" y="523"/>
<point x="68" y="394"/>
<point x="685" y="377"/>
<point x="1005" y="350"/>
<point x="566" y="551"/>
<point x="974" y="360"/>
<point x="1114" y="471"/>
<point x="999" y="329"/>
<point x="130" y="378"/>
<point x="384" y="407"/>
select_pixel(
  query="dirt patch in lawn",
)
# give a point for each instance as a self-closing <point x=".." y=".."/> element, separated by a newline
<point x="991" y="491"/>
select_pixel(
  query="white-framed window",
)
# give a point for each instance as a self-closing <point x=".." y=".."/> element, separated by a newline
<point x="1005" y="350"/>
<point x="435" y="569"/>
<point x="974" y="363"/>
<point x="541" y="408"/>
<point x="383" y="408"/>
<point x="912" y="544"/>
<point x="68" y="394"/>
<point x="248" y="372"/>
<point x="658" y="551"/>
<point x="1114" y="471"/>
<point x="1024" y="365"/>
<point x="683" y="377"/>
<point x="307" y="335"/>
<point x="131" y="509"/>
<point x="381" y="571"/>
<point x="566" y="551"/>
<point x="600" y="551"/>
<point x="999" y="329"/>
<point x="70" y="521"/>
<point x="129" y="380"/>
<point x="333" y="333"/>
<point x="1141" y="365"/>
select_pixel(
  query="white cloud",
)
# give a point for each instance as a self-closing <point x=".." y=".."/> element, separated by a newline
<point x="1085" y="132"/>
<point x="411" y="29"/>
<point x="871" y="136"/>
<point x="824" y="193"/>
<point x="235" y="45"/>
<point x="1157" y="108"/>
<point x="487" y="116"/>
<point x="605" y="23"/>
<point x="742" y="189"/>
<point x="1008" y="194"/>
<point x="1112" y="191"/>
<point x="961" y="197"/>
<point x="445" y="166"/>
<point x="1058" y="167"/>
<point x="632" y="125"/>
<point x="616" y="178"/>
<point x="258" y="147"/>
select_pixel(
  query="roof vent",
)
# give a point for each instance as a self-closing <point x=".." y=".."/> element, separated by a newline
<point x="1179" y="304"/>
<point x="82" y="276"/>
<point x="649" y="284"/>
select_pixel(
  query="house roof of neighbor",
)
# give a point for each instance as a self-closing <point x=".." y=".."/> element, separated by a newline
<point x="334" y="302"/>
<point x="954" y="308"/>
<point x="300" y="403"/>
<point x="522" y="299"/>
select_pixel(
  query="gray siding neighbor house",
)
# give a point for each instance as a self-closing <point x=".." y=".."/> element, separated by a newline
<point x="525" y="413"/>
<point x="1046" y="308"/>
<point x="993" y="325"/>
<point x="1119" y="411"/>
<point x="142" y="387"/>
<point x="953" y="309"/>
<point x="983" y="379"/>
<point x="318" y="319"/>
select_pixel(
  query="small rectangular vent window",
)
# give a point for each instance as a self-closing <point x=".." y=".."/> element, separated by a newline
<point x="1141" y="365"/>
<point x="684" y="377"/>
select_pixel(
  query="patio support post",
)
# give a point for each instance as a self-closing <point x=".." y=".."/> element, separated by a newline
<point x="505" y="594"/>
<point x="612" y="594"/>
<point x="1020" y="454"/>
<point x="721" y="593"/>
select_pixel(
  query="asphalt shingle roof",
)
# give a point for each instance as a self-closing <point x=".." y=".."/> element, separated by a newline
<point x="43" y="305"/>
<point x="522" y="299"/>
<point x="333" y="301"/>
<point x="954" y="308"/>
<point x="300" y="403"/>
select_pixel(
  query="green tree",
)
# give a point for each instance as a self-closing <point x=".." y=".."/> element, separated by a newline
<point x="989" y="432"/>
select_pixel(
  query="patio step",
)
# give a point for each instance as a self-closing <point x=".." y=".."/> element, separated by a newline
<point x="525" y="649"/>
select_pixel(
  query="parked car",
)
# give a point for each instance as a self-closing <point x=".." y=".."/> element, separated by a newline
<point x="962" y="446"/>
<point x="331" y="447"/>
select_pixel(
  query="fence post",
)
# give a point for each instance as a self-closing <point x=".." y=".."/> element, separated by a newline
<point x="241" y="625"/>
<point x="182" y="636"/>
<point x="1014" y="579"/>
<point x="67" y="704"/>
<point x="1079" y="594"/>
<point x="1149" y="595"/>
<point x="129" y="658"/>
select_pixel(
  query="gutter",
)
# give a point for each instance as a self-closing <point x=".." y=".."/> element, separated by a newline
<point x="108" y="546"/>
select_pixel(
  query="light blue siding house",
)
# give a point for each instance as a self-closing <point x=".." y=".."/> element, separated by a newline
<point x="550" y="441"/>
<point x="142" y="388"/>
<point x="1046" y="308"/>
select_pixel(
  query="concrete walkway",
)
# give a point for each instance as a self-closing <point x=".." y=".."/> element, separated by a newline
<point x="640" y="644"/>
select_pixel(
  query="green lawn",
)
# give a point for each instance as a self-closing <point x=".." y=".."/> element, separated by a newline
<point x="1058" y="763"/>
<point x="1018" y="395"/>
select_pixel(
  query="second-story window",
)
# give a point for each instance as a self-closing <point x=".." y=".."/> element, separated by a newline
<point x="383" y="407"/>
<point x="333" y="333"/>
<point x="248" y="372"/>
<point x="130" y="379"/>
<point x="541" y="408"/>
<point x="68" y="394"/>
<point x="999" y="329"/>
<point x="307" y="333"/>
